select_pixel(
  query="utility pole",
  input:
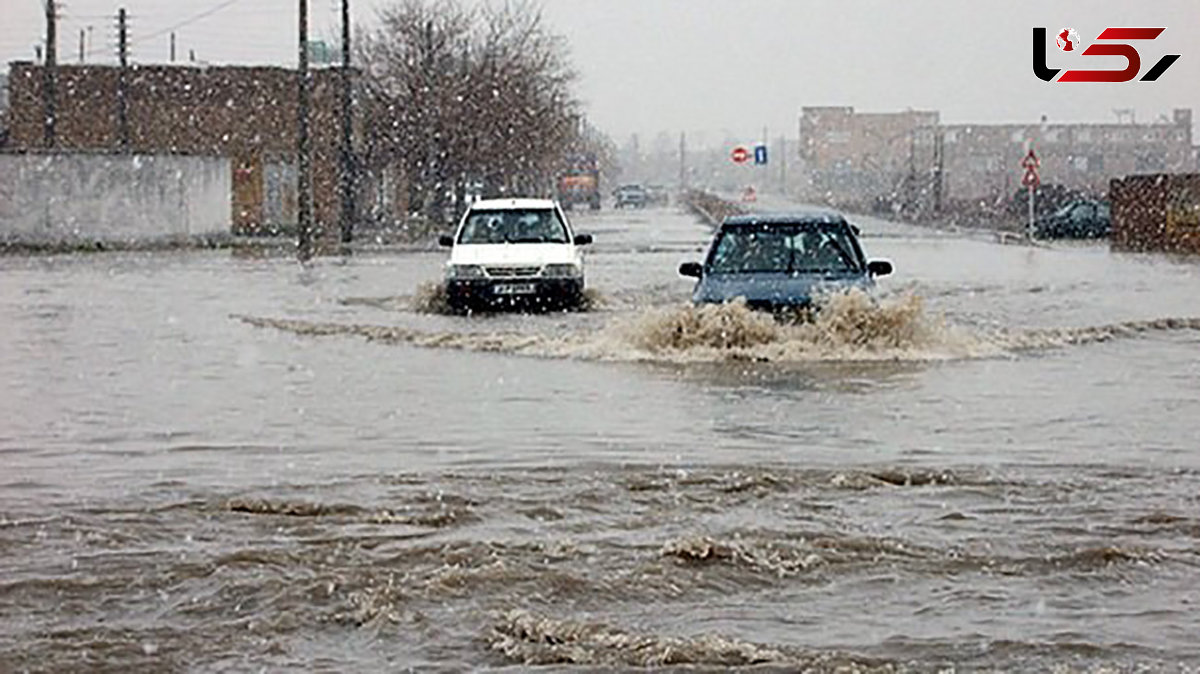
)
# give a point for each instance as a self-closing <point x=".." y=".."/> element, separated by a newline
<point x="683" y="161"/>
<point x="50" y="77"/>
<point x="348" y="167"/>
<point x="82" y="44"/>
<point x="172" y="47"/>
<point x="910" y="191"/>
<point x="782" y="154"/>
<point x="939" y="159"/>
<point x="123" y="80"/>
<point x="303" y="148"/>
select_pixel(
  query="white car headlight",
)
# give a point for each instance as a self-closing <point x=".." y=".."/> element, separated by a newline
<point x="464" y="271"/>
<point x="562" y="271"/>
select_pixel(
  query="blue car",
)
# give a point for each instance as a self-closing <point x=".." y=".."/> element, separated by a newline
<point x="782" y="261"/>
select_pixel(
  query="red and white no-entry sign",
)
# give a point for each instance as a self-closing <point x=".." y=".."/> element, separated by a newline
<point x="740" y="155"/>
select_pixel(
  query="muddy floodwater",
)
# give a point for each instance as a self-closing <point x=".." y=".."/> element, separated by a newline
<point x="226" y="462"/>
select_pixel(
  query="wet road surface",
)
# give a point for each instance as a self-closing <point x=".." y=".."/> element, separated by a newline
<point x="222" y="462"/>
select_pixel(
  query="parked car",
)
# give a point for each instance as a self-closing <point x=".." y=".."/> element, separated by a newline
<point x="1080" y="219"/>
<point x="1048" y="198"/>
<point x="630" y="196"/>
<point x="782" y="261"/>
<point x="514" y="252"/>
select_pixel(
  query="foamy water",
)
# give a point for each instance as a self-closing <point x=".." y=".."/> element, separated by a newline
<point x="850" y="326"/>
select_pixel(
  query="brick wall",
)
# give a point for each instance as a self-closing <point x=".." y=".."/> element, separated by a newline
<point x="247" y="114"/>
<point x="1159" y="212"/>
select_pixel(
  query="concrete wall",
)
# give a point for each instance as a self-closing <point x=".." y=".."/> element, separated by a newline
<point x="56" y="198"/>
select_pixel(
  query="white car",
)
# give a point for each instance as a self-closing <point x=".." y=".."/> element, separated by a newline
<point x="509" y="252"/>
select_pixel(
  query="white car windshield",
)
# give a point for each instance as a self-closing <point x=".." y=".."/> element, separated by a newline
<point x="540" y="225"/>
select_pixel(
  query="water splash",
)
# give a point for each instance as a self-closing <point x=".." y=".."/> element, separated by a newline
<point x="431" y="298"/>
<point x="849" y="327"/>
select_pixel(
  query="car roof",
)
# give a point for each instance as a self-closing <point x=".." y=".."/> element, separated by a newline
<point x="799" y="217"/>
<point x="510" y="204"/>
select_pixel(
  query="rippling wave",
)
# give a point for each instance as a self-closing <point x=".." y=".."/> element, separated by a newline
<point x="586" y="567"/>
<point x="534" y="639"/>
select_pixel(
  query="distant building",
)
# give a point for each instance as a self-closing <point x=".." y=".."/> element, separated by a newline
<point x="850" y="155"/>
<point x="982" y="162"/>
<point x="245" y="113"/>
<point x="862" y="159"/>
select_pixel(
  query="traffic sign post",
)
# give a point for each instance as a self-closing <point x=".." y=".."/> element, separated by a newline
<point x="1030" y="180"/>
<point x="760" y="155"/>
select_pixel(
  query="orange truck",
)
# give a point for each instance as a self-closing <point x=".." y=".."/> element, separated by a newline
<point x="580" y="183"/>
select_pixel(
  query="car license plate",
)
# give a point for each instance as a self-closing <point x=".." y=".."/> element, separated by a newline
<point x="514" y="289"/>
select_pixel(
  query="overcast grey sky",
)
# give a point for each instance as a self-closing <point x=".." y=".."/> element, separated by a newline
<point x="728" y="66"/>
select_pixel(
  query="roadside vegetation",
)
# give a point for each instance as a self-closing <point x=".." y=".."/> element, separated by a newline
<point x="472" y="101"/>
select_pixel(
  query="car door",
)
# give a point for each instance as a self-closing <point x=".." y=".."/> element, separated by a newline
<point x="1082" y="217"/>
<point x="1103" y="220"/>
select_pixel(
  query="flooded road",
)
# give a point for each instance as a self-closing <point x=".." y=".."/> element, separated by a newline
<point x="223" y="462"/>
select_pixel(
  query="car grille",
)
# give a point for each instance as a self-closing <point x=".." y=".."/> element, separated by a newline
<point x="512" y="272"/>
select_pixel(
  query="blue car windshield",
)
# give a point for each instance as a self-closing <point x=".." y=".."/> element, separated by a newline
<point x="808" y="249"/>
<point x="534" y="225"/>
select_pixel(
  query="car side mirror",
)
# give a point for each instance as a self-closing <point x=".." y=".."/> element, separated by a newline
<point x="583" y="239"/>
<point x="446" y="240"/>
<point x="879" y="267"/>
<point x="854" y="228"/>
<point x="692" y="269"/>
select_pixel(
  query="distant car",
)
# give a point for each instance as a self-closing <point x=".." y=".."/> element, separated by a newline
<point x="657" y="195"/>
<point x="514" y="252"/>
<point x="1080" y="219"/>
<point x="782" y="261"/>
<point x="630" y="196"/>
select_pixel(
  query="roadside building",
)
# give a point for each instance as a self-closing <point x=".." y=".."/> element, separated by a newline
<point x="247" y="114"/>
<point x="982" y="162"/>
<point x="855" y="157"/>
<point x="910" y="159"/>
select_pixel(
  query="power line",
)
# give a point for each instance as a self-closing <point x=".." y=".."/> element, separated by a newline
<point x="206" y="13"/>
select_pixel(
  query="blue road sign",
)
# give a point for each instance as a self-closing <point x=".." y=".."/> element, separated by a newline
<point x="760" y="154"/>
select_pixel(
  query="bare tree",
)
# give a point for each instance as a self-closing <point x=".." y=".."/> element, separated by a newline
<point x="470" y="95"/>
